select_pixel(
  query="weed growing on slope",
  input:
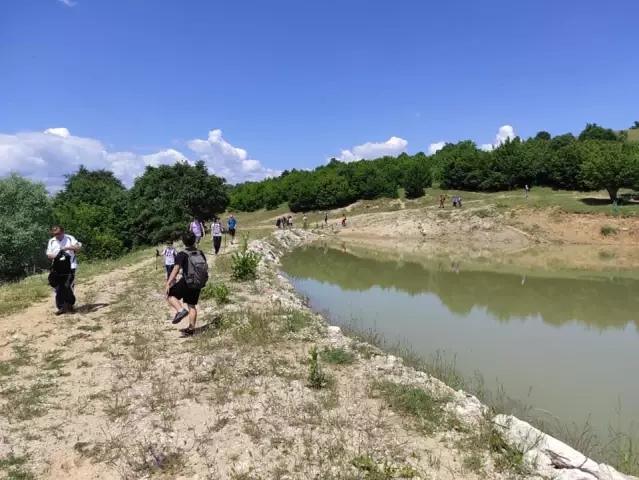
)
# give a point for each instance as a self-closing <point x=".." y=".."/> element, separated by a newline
<point x="244" y="263"/>
<point x="316" y="377"/>
<point x="338" y="356"/>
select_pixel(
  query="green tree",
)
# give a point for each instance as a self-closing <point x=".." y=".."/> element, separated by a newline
<point x="418" y="177"/>
<point x="26" y="217"/>
<point x="93" y="208"/>
<point x="596" y="132"/>
<point x="543" y="135"/>
<point x="610" y="165"/>
<point x="165" y="199"/>
<point x="635" y="126"/>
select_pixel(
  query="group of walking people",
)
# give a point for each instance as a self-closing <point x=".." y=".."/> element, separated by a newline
<point x="190" y="262"/>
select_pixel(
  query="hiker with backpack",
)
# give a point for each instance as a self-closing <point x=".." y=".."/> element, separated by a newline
<point x="61" y="250"/>
<point x="195" y="273"/>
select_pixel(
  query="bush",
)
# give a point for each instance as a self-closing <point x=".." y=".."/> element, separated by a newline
<point x="608" y="230"/>
<point x="244" y="263"/>
<point x="219" y="291"/>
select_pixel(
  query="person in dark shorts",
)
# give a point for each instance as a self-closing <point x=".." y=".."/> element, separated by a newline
<point x="216" y="233"/>
<point x="181" y="290"/>
<point x="231" y="224"/>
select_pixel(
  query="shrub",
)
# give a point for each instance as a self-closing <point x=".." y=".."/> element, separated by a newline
<point x="316" y="377"/>
<point x="244" y="263"/>
<point x="221" y="293"/>
<point x="218" y="291"/>
<point x="608" y="230"/>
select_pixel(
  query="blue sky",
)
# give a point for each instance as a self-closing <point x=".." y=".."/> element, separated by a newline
<point x="291" y="83"/>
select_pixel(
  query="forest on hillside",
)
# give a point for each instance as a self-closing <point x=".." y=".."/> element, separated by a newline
<point x="598" y="158"/>
<point x="110" y="219"/>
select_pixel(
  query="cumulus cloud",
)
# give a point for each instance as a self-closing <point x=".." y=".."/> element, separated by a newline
<point x="505" y="132"/>
<point x="370" y="150"/>
<point x="433" y="148"/>
<point x="47" y="156"/>
<point x="68" y="3"/>
<point x="230" y="162"/>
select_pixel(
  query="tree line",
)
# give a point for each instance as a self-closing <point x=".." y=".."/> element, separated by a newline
<point x="598" y="158"/>
<point x="110" y="219"/>
<point x="96" y="208"/>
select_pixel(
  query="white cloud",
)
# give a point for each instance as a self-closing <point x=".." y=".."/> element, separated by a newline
<point x="505" y="132"/>
<point x="433" y="148"/>
<point x="47" y="156"/>
<point x="230" y="162"/>
<point x="68" y="3"/>
<point x="391" y="147"/>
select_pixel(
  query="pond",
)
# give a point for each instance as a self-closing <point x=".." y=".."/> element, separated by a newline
<point x="567" y="344"/>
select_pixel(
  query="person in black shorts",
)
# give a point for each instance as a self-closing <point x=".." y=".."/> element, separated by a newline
<point x="180" y="290"/>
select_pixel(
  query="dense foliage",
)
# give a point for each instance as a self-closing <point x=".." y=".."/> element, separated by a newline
<point x="599" y="158"/>
<point x="96" y="208"/>
<point x="165" y="199"/>
<point x="25" y="215"/>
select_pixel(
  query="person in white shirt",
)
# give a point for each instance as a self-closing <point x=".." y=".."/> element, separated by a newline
<point x="61" y="250"/>
<point x="216" y="233"/>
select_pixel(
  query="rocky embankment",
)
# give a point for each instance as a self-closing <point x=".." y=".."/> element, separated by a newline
<point x="528" y="451"/>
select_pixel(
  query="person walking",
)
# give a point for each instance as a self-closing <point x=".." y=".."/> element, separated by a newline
<point x="195" y="273"/>
<point x="61" y="250"/>
<point x="216" y="233"/>
<point x="526" y="191"/>
<point x="290" y="221"/>
<point x="231" y="224"/>
<point x="169" y="254"/>
<point x="326" y="218"/>
<point x="198" y="231"/>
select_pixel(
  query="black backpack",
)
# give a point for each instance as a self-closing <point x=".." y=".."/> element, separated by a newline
<point x="197" y="273"/>
<point x="60" y="269"/>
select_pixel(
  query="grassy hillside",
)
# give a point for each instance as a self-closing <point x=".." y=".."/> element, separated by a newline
<point x="633" y="135"/>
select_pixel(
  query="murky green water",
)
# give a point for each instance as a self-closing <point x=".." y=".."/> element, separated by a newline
<point x="569" y="346"/>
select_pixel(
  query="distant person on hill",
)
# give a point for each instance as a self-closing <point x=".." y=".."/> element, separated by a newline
<point x="442" y="201"/>
<point x="459" y="202"/>
<point x="195" y="273"/>
<point x="61" y="250"/>
<point x="231" y="224"/>
<point x="278" y="222"/>
<point x="169" y="254"/>
<point x="198" y="230"/>
<point x="290" y="221"/>
<point x="216" y="233"/>
<point x="325" y="218"/>
<point x="305" y="220"/>
<point x="526" y="191"/>
<point x="344" y="221"/>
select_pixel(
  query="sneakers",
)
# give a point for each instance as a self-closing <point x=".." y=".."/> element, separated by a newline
<point x="180" y="316"/>
<point x="60" y="311"/>
<point x="188" y="332"/>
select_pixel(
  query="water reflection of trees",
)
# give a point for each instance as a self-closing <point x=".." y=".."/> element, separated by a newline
<point x="595" y="302"/>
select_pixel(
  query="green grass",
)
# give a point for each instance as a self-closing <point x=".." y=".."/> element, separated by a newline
<point x="17" y="296"/>
<point x="338" y="356"/>
<point x="418" y="403"/>
<point x="607" y="230"/>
